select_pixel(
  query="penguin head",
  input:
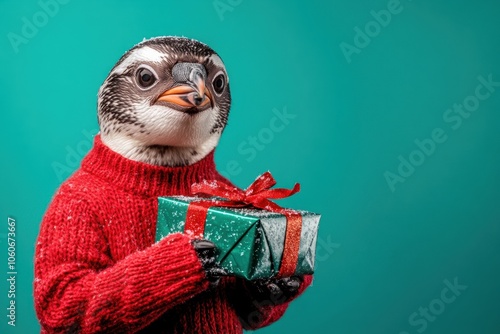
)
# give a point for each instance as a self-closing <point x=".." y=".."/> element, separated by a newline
<point x="165" y="102"/>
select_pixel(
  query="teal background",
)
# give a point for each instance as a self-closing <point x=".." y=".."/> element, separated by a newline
<point x="382" y="254"/>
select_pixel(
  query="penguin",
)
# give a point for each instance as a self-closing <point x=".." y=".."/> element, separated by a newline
<point x="165" y="102"/>
<point x="161" y="112"/>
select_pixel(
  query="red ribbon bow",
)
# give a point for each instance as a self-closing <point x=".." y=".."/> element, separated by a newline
<point x="258" y="195"/>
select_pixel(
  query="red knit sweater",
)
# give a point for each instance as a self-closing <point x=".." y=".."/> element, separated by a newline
<point x="98" y="269"/>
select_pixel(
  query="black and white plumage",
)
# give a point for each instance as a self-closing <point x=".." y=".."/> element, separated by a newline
<point x="165" y="102"/>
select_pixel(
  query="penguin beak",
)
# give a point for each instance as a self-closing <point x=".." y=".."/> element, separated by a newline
<point x="193" y="93"/>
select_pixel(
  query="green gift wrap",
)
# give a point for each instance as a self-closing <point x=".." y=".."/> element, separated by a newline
<point x="250" y="241"/>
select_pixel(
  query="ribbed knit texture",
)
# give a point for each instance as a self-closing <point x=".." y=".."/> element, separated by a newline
<point x="98" y="270"/>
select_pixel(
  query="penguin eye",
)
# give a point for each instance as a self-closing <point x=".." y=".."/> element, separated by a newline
<point x="145" y="77"/>
<point x="219" y="83"/>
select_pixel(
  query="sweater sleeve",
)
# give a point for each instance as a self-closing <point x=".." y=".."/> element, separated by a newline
<point x="255" y="314"/>
<point x="79" y="288"/>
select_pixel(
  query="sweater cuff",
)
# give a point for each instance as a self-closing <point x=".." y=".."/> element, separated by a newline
<point x="177" y="264"/>
<point x="174" y="266"/>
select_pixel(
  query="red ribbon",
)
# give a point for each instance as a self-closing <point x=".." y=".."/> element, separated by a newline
<point x="258" y="195"/>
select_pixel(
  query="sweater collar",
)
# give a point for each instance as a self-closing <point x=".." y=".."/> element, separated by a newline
<point x="142" y="178"/>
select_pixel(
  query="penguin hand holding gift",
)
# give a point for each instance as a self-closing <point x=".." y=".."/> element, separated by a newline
<point x="101" y="265"/>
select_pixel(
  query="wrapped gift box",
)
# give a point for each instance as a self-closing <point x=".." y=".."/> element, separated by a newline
<point x="250" y="241"/>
